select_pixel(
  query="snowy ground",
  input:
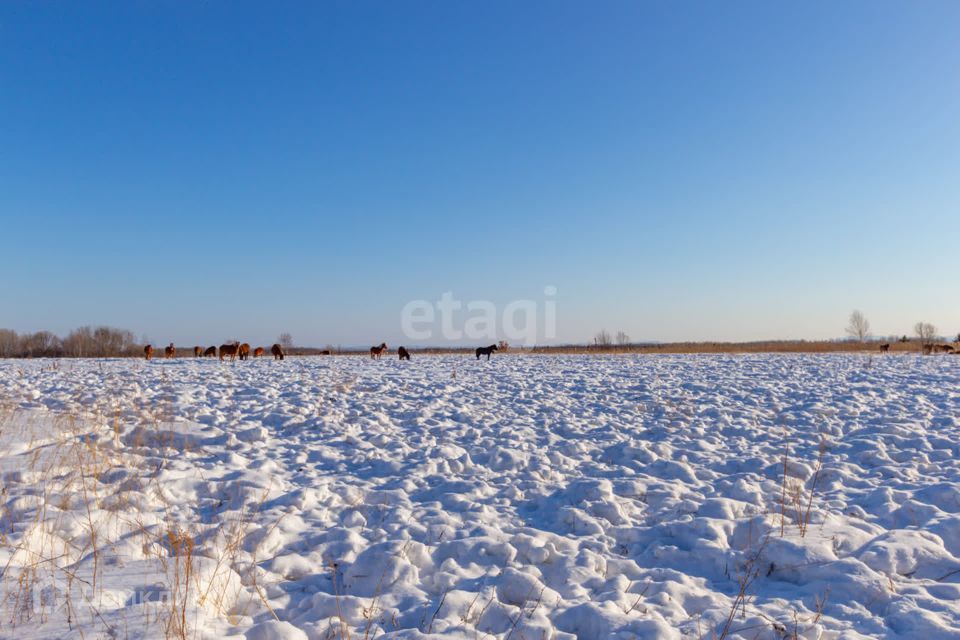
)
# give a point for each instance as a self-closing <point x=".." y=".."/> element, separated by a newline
<point x="525" y="497"/>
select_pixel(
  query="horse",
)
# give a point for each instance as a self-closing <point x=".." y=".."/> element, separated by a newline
<point x="885" y="347"/>
<point x="486" y="351"/>
<point x="148" y="351"/>
<point x="277" y="352"/>
<point x="325" y="352"/>
<point x="229" y="350"/>
<point x="210" y="353"/>
<point x="376" y="352"/>
<point x="244" y="351"/>
<point x="170" y="351"/>
<point x="944" y="348"/>
<point x="404" y="354"/>
<point x="258" y="352"/>
<point x="197" y="352"/>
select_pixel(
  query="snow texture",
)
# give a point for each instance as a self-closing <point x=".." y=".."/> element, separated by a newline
<point x="525" y="497"/>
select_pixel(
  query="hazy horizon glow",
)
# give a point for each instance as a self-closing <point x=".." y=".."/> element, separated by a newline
<point x="200" y="171"/>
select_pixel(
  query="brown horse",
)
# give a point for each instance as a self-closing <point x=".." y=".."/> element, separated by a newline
<point x="885" y="347"/>
<point x="197" y="352"/>
<point x="258" y="352"/>
<point x="210" y="353"/>
<point x="229" y="350"/>
<point x="404" y="354"/>
<point x="170" y="351"/>
<point x="376" y="352"/>
<point x="148" y="351"/>
<point x="244" y="351"/>
<point x="277" y="352"/>
<point x="943" y="348"/>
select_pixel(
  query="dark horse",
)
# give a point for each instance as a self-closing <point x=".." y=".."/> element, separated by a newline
<point x="404" y="354"/>
<point x="229" y="350"/>
<point x="486" y="351"/>
<point x="277" y="352"/>
<point x="885" y="346"/>
<point x="376" y="352"/>
<point x="211" y="352"/>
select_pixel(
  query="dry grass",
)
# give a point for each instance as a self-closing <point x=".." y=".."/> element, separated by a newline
<point x="764" y="346"/>
<point x="794" y="497"/>
<point x="67" y="523"/>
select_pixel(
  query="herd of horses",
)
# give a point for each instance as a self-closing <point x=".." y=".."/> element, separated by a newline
<point x="232" y="350"/>
<point x="240" y="350"/>
<point x="377" y="352"/>
<point x="928" y="348"/>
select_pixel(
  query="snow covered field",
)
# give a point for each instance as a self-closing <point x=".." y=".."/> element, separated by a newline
<point x="525" y="498"/>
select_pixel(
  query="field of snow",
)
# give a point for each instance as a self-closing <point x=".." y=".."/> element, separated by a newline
<point x="526" y="497"/>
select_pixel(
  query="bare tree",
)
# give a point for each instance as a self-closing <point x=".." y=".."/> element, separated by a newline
<point x="286" y="341"/>
<point x="41" y="344"/>
<point x="9" y="343"/>
<point x="927" y="334"/>
<point x="79" y="343"/>
<point x="622" y="338"/>
<point x="859" y="326"/>
<point x="603" y="339"/>
<point x="99" y="342"/>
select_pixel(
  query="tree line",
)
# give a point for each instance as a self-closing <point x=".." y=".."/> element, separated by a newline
<point x="85" y="342"/>
<point x="858" y="328"/>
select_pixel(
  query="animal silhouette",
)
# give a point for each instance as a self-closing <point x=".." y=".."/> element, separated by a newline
<point x="486" y="351"/>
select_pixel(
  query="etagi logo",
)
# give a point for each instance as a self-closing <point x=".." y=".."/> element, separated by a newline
<point x="527" y="322"/>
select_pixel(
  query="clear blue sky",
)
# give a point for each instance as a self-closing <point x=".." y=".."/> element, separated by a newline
<point x="195" y="171"/>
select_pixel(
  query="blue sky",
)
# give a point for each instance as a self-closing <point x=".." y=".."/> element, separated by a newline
<point x="711" y="171"/>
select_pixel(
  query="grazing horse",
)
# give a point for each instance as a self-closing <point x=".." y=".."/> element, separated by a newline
<point x="197" y="352"/>
<point x="170" y="351"/>
<point x="376" y="352"/>
<point x="277" y="352"/>
<point x="244" y="351"/>
<point x="404" y="354"/>
<point x="325" y="352"/>
<point x="486" y="351"/>
<point x="229" y="350"/>
<point x="148" y="351"/>
<point x="885" y="347"/>
<point x="258" y="352"/>
<point x="210" y="353"/>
